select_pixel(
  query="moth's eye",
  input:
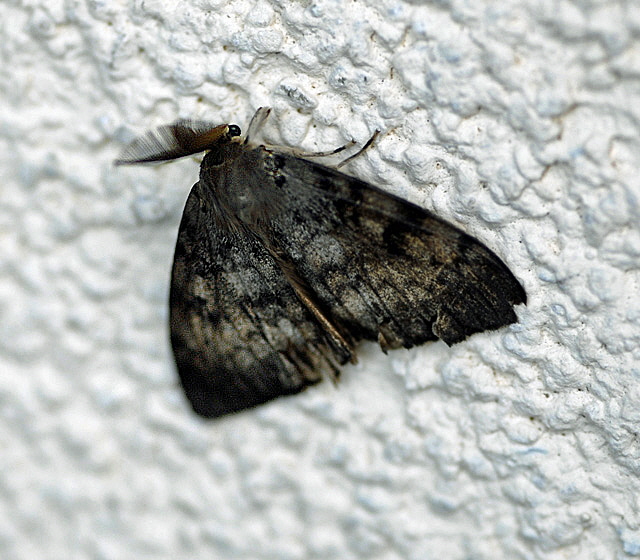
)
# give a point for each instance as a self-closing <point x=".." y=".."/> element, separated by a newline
<point x="234" y="130"/>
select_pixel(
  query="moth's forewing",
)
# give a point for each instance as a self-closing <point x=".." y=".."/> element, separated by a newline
<point x="240" y="334"/>
<point x="385" y="268"/>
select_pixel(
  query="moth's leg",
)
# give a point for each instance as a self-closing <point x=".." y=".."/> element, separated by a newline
<point x="257" y="121"/>
<point x="341" y="149"/>
<point x="327" y="153"/>
<point x="367" y="145"/>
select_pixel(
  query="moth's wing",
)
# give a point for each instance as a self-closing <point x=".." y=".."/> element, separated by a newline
<point x="240" y="334"/>
<point x="387" y="269"/>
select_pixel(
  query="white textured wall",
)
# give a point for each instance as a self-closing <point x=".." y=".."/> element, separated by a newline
<point x="517" y="120"/>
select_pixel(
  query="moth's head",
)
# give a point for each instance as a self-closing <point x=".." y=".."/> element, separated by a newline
<point x="181" y="139"/>
<point x="233" y="130"/>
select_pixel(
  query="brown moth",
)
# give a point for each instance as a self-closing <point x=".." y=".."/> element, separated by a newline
<point x="282" y="265"/>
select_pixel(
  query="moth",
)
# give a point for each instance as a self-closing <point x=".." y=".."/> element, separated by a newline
<point x="282" y="265"/>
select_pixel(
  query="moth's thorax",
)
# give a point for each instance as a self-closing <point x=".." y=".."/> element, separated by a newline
<point x="220" y="154"/>
<point x="235" y="178"/>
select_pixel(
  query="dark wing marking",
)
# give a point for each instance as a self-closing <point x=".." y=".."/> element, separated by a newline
<point x="240" y="334"/>
<point x="386" y="269"/>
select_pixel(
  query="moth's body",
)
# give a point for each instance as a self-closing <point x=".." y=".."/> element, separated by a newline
<point x="282" y="265"/>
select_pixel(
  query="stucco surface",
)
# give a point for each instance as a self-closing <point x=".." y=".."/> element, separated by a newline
<point x="519" y="121"/>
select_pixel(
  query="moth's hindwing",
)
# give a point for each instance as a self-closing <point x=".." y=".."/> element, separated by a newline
<point x="240" y="334"/>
